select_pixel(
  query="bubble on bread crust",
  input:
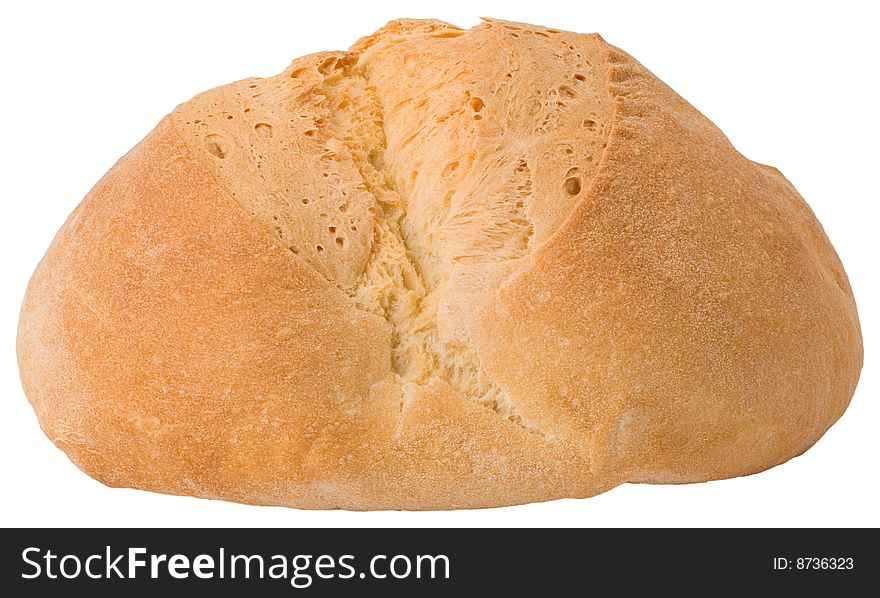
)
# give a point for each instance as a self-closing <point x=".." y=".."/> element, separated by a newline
<point x="263" y="129"/>
<point x="298" y="73"/>
<point x="448" y="34"/>
<point x="566" y="91"/>
<point x="216" y="145"/>
<point x="330" y="64"/>
<point x="476" y="104"/>
<point x="572" y="185"/>
<point x="564" y="149"/>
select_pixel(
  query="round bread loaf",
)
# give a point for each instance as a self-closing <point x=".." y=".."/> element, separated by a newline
<point x="444" y="269"/>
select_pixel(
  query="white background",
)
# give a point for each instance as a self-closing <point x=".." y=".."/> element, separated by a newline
<point x="792" y="84"/>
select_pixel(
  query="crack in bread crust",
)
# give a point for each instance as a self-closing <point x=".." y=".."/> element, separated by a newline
<point x="417" y="201"/>
<point x="393" y="284"/>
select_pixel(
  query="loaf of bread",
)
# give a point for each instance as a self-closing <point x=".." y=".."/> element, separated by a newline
<point x="444" y="269"/>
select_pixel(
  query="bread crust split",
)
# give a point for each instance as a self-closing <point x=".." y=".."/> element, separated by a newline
<point x="444" y="269"/>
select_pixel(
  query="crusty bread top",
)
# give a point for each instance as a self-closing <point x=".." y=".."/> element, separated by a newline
<point x="443" y="269"/>
<point x="417" y="200"/>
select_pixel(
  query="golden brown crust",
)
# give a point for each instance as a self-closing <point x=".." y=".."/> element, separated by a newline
<point x="600" y="290"/>
<point x="713" y="330"/>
